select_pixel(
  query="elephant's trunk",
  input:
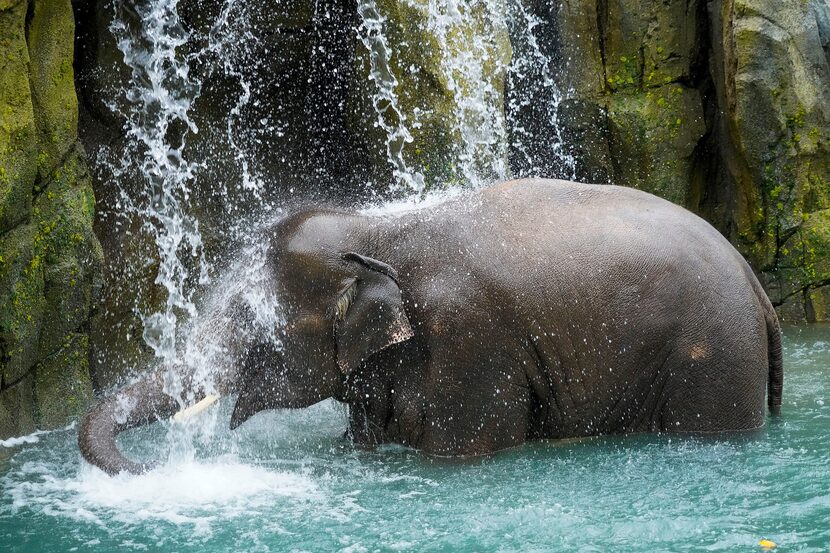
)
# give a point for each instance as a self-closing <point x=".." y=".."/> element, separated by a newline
<point x="140" y="403"/>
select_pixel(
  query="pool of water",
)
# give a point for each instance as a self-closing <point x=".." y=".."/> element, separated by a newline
<point x="287" y="481"/>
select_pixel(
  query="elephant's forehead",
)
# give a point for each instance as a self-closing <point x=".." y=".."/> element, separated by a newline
<point x="313" y="234"/>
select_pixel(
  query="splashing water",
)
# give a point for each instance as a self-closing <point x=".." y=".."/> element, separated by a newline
<point x="390" y="118"/>
<point x="287" y="480"/>
<point x="205" y="349"/>
<point x="160" y="55"/>
<point x="532" y="66"/>
<point x="229" y="50"/>
<point x="240" y="311"/>
<point x="161" y="94"/>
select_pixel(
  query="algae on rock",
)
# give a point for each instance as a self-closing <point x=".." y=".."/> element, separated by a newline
<point x="49" y="256"/>
<point x="720" y="106"/>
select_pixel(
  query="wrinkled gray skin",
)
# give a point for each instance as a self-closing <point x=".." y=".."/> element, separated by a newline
<point x="533" y="309"/>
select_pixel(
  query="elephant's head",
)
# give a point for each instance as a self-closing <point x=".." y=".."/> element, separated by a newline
<point x="340" y="305"/>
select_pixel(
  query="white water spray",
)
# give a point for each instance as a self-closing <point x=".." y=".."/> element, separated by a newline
<point x="230" y="42"/>
<point x="161" y="94"/>
<point x="160" y="55"/>
<point x="531" y="65"/>
<point x="385" y="100"/>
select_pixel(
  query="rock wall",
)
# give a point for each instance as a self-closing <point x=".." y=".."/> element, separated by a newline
<point x="49" y="256"/>
<point x="720" y="106"/>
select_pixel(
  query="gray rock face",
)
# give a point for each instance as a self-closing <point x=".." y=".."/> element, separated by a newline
<point x="777" y="89"/>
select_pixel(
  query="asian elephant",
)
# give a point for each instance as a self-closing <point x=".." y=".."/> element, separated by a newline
<point x="532" y="309"/>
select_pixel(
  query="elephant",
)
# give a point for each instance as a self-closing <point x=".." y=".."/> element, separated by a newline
<point x="532" y="309"/>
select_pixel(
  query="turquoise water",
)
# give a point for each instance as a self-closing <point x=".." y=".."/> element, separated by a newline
<point x="288" y="482"/>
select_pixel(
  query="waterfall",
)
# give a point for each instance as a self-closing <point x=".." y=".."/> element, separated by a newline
<point x="160" y="95"/>
<point x="385" y="101"/>
<point x="161" y="56"/>
<point x="532" y="68"/>
<point x="467" y="34"/>
<point x="465" y="62"/>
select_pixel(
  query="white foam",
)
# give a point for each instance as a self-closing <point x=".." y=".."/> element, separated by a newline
<point x="194" y="493"/>
<point x="32" y="438"/>
<point x="189" y="485"/>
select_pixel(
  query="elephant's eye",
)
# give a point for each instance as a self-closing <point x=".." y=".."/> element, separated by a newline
<point x="344" y="301"/>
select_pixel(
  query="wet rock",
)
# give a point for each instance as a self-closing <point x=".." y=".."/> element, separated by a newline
<point x="776" y="91"/>
<point x="17" y="408"/>
<point x="653" y="138"/>
<point x="62" y="387"/>
<point x="49" y="256"/>
<point x="426" y="46"/>
<point x="631" y="65"/>
<point x="721" y="106"/>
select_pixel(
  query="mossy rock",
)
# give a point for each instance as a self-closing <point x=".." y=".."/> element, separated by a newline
<point x="17" y="413"/>
<point x="49" y="256"/>
<point x="22" y="305"/>
<point x="62" y="387"/>
<point x="18" y="137"/>
<point x="654" y="134"/>
<point x="648" y="44"/>
<point x="804" y="260"/>
<point x="817" y="305"/>
<point x="50" y="35"/>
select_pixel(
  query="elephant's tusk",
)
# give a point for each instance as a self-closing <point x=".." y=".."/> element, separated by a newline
<point x="195" y="409"/>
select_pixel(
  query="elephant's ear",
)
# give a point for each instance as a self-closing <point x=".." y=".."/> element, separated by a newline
<point x="369" y="314"/>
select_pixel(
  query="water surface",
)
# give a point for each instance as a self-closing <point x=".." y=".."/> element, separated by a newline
<point x="287" y="481"/>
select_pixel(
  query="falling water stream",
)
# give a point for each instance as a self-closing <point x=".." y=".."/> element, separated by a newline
<point x="161" y="94"/>
<point x="288" y="480"/>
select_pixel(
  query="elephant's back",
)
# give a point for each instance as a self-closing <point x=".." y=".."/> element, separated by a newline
<point x="549" y="241"/>
<point x="595" y="225"/>
<point x="607" y="277"/>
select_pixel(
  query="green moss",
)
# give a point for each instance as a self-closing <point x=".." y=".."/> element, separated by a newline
<point x="624" y="73"/>
<point x="796" y="120"/>
<point x="655" y="133"/>
<point x="62" y="387"/>
<point x="17" y="125"/>
<point x="50" y="38"/>
<point x="21" y="300"/>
